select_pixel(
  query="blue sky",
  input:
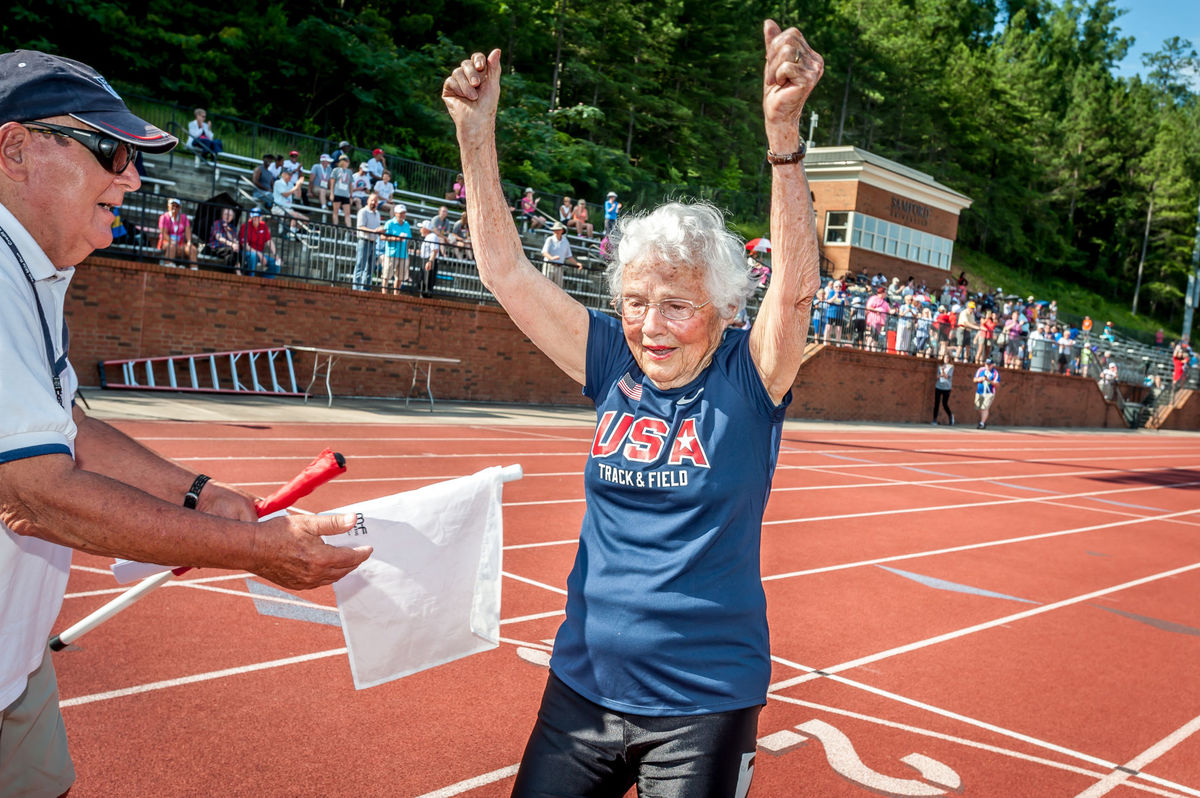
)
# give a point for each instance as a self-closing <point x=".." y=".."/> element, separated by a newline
<point x="1152" y="21"/>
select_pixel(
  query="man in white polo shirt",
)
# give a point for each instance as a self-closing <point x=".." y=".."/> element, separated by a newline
<point x="67" y="144"/>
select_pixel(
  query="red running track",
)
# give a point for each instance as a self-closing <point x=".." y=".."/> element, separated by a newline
<point x="953" y="612"/>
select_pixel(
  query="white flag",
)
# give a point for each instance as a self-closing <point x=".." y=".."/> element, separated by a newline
<point x="430" y="592"/>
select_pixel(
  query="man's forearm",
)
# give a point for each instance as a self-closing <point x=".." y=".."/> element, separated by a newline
<point x="103" y="449"/>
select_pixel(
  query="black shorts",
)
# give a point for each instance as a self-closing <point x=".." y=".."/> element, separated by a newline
<point x="580" y="748"/>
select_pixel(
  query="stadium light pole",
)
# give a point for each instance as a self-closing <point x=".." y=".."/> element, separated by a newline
<point x="1192" y="298"/>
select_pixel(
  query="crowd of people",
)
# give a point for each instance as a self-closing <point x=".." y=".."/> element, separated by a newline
<point x="875" y="313"/>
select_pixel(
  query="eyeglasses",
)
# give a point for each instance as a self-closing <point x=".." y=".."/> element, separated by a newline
<point x="634" y="308"/>
<point x="113" y="155"/>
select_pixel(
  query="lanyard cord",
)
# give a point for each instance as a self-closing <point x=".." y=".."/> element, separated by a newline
<point x="57" y="365"/>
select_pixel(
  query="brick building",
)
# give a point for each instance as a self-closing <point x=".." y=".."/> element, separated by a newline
<point x="882" y="215"/>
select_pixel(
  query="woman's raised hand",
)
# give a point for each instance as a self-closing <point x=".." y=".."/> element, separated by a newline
<point x="793" y="70"/>
<point x="472" y="92"/>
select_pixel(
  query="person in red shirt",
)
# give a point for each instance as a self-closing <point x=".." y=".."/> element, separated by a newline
<point x="256" y="245"/>
<point x="944" y="323"/>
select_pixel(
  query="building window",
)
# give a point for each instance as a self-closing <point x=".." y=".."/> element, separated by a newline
<point x="889" y="238"/>
<point x="837" y="225"/>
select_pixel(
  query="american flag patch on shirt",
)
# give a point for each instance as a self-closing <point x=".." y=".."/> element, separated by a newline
<point x="630" y="388"/>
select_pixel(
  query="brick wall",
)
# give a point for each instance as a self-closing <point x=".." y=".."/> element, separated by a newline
<point x="124" y="310"/>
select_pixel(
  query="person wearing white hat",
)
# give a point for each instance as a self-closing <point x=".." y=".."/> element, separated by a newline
<point x="67" y="480"/>
<point x="318" y="181"/>
<point x="555" y="252"/>
<point x="396" y="235"/>
<point x="611" y="209"/>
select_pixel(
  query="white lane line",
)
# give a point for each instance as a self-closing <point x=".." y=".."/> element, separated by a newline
<point x="111" y="591"/>
<point x="466" y="785"/>
<point x="517" y="546"/>
<point x="979" y="461"/>
<point x="946" y="713"/>
<point x="537" y="616"/>
<point x="983" y="545"/>
<point x="342" y="439"/>
<point x="973" y="505"/>
<point x="87" y="569"/>
<point x="980" y="627"/>
<point x="199" y="677"/>
<point x="975" y="744"/>
<point x="835" y="469"/>
<point x="535" y="583"/>
<point x="1121" y="775"/>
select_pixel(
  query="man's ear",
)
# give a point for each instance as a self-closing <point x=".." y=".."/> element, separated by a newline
<point x="14" y="151"/>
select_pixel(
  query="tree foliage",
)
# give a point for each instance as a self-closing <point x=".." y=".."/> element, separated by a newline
<point x="1012" y="102"/>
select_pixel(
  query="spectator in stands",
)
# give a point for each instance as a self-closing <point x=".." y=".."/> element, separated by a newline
<point x="906" y="317"/>
<point x="877" y="316"/>
<point x="175" y="234"/>
<point x="1158" y="338"/>
<point x="942" y="387"/>
<point x="256" y="245"/>
<point x="1180" y="358"/>
<point x="987" y="380"/>
<point x="460" y="237"/>
<point x="894" y="296"/>
<point x="369" y="228"/>
<point x="223" y="239"/>
<point x="556" y="251"/>
<point x="863" y="278"/>
<point x="377" y="165"/>
<point x="1012" y="341"/>
<point x="275" y="168"/>
<point x="611" y="209"/>
<point x="529" y="216"/>
<point x="1066" y="345"/>
<point x="1085" y="328"/>
<point x="384" y="187"/>
<point x="565" y="211"/>
<point x="943" y="325"/>
<point x="879" y="279"/>
<point x="360" y="187"/>
<point x="964" y="333"/>
<point x="923" y="343"/>
<point x="286" y="190"/>
<point x="345" y="149"/>
<point x="423" y="272"/>
<point x="201" y="140"/>
<point x="318" y="182"/>
<point x="340" y="181"/>
<point x="264" y="182"/>
<point x="292" y="164"/>
<point x="1108" y="334"/>
<point x="442" y="224"/>
<point x="858" y="320"/>
<point x="835" y="305"/>
<point x="396" y="234"/>
<point x="986" y="338"/>
<point x="579" y="218"/>
<point x="460" y="190"/>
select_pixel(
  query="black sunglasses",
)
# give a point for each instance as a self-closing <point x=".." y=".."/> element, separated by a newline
<point x="112" y="154"/>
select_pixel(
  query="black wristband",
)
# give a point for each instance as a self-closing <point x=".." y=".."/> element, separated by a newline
<point x="193" y="495"/>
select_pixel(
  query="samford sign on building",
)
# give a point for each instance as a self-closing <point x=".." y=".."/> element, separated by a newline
<point x="878" y="214"/>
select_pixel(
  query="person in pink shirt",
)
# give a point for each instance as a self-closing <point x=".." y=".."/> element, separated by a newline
<point x="877" y="313"/>
<point x="175" y="233"/>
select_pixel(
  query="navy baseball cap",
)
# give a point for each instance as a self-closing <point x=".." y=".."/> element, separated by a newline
<point x="36" y="85"/>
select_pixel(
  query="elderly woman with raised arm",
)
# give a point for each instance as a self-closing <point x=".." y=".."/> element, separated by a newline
<point x="661" y="666"/>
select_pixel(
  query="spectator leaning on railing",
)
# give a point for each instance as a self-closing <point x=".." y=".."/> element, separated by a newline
<point x="369" y="228"/>
<point x="396" y="235"/>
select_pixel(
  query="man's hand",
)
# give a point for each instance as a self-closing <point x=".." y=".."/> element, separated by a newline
<point x="217" y="498"/>
<point x="792" y="71"/>
<point x="472" y="92"/>
<point x="289" y="551"/>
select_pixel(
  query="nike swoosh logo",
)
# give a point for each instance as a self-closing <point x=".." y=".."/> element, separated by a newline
<point x="690" y="399"/>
